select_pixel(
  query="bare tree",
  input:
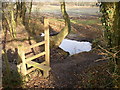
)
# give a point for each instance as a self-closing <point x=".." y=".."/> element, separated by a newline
<point x="57" y="39"/>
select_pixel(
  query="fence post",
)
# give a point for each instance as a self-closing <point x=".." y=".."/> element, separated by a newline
<point x="47" y="51"/>
<point x="21" y="54"/>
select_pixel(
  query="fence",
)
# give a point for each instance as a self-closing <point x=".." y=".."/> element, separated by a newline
<point x="45" y="65"/>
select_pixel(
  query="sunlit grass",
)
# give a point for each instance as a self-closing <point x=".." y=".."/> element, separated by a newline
<point x="86" y="22"/>
<point x="54" y="19"/>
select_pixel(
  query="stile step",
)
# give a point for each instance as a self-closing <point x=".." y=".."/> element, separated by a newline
<point x="39" y="66"/>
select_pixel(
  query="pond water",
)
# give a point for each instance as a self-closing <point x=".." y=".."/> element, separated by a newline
<point x="74" y="47"/>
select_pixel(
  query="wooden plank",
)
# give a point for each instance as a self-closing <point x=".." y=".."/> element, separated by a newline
<point x="39" y="66"/>
<point x="34" y="57"/>
<point x="43" y="63"/>
<point x="45" y="74"/>
<point x="38" y="44"/>
<point x="21" y="54"/>
<point x="46" y="31"/>
<point x="30" y="70"/>
<point x="35" y="45"/>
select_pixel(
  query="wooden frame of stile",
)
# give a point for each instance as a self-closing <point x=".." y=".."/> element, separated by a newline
<point x="44" y="66"/>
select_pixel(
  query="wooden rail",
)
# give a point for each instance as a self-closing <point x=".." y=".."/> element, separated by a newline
<point x="44" y="66"/>
<point x="34" y="57"/>
<point x="38" y="44"/>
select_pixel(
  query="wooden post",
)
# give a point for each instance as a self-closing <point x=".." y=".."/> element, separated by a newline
<point x="47" y="51"/>
<point x="21" y="54"/>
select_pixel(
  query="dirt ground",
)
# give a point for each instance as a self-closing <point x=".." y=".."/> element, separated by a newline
<point x="66" y="71"/>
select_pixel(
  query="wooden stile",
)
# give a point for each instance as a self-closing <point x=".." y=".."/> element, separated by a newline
<point x="45" y="66"/>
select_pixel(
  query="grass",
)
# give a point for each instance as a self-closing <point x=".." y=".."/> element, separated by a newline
<point x="54" y="19"/>
<point x="85" y="22"/>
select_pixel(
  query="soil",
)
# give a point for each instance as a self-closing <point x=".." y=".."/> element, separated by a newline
<point x="65" y="70"/>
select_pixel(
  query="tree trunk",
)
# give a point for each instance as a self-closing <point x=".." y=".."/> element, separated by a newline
<point x="111" y="21"/>
<point x="20" y="12"/>
<point x="10" y="18"/>
<point x="57" y="39"/>
<point x="30" y="9"/>
<point x="23" y="11"/>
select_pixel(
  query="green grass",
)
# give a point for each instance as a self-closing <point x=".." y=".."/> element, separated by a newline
<point x="54" y="19"/>
<point x="86" y="22"/>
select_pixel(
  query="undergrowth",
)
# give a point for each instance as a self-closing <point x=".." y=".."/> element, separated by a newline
<point x="14" y="80"/>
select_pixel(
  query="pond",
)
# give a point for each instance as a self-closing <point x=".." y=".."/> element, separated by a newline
<point x="74" y="47"/>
